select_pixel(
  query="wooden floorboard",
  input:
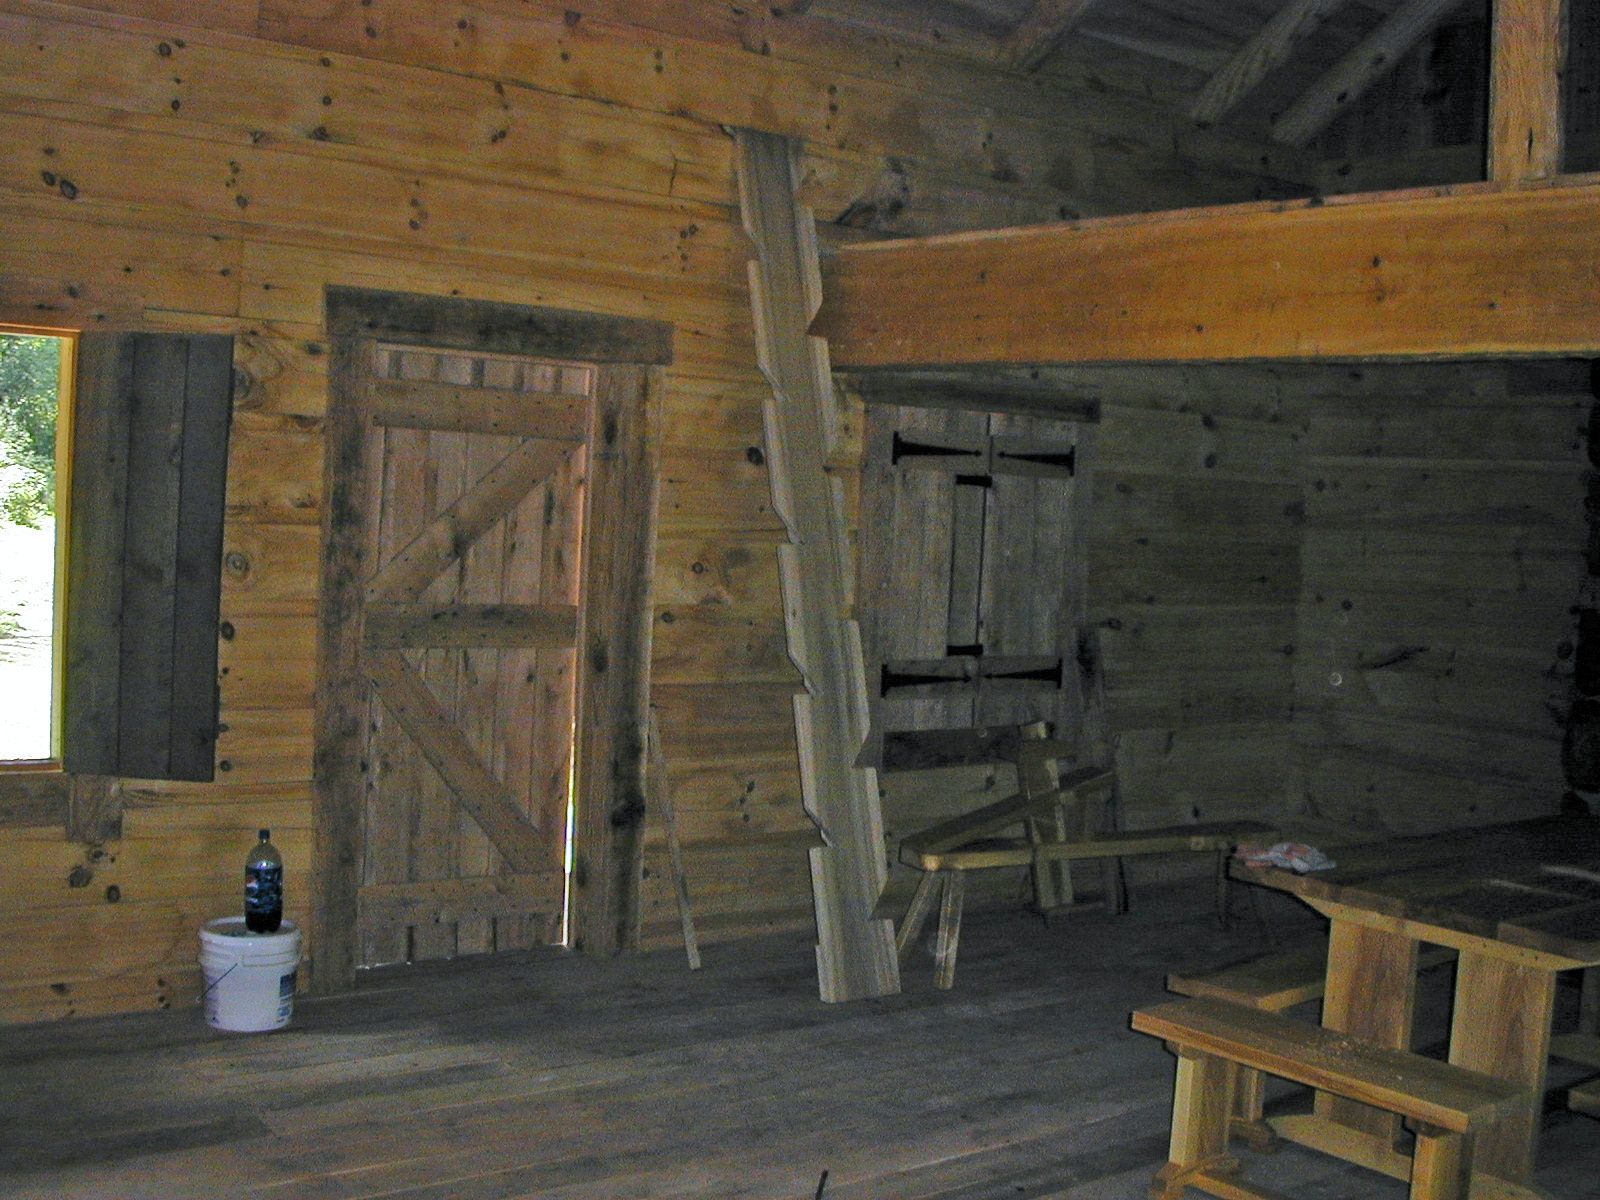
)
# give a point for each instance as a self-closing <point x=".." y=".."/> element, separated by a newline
<point x="553" y="1076"/>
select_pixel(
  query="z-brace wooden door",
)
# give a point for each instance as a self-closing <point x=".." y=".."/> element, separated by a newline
<point x="972" y="601"/>
<point x="469" y="627"/>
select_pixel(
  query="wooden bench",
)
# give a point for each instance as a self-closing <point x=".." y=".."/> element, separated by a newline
<point x="1213" y="1039"/>
<point x="1585" y="1098"/>
<point x="1052" y="810"/>
<point x="1583" y="1048"/>
<point x="1271" y="983"/>
<point x="969" y="842"/>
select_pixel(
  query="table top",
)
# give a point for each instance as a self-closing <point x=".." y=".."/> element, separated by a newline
<point x="1533" y="884"/>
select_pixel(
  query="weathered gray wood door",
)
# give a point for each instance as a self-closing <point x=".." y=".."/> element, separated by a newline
<point x="468" y="633"/>
<point x="491" y="480"/>
<point x="972" y="593"/>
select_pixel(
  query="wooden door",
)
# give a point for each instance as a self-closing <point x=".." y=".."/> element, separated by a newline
<point x="972" y="576"/>
<point x="468" y="632"/>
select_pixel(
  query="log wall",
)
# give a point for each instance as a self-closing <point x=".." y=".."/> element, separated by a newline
<point x="1195" y="519"/>
<point x="1340" y="596"/>
<point x="1442" y="566"/>
<point x="213" y="167"/>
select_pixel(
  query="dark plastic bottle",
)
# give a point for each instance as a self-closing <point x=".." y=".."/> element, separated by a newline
<point x="263" y="887"/>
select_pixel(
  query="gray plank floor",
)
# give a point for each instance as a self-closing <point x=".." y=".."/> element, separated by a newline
<point x="548" y="1075"/>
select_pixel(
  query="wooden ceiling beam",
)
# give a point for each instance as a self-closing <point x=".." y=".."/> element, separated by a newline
<point x="1483" y="270"/>
<point x="1252" y="62"/>
<point x="1348" y="79"/>
<point x="1525" y="121"/>
<point x="1039" y="33"/>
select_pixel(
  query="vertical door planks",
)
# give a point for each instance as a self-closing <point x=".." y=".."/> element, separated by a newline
<point x="972" y="570"/>
<point x="458" y="584"/>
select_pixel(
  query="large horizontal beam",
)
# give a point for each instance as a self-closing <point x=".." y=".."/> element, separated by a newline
<point x="1483" y="270"/>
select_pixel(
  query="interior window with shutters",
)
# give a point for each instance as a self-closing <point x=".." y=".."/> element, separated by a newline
<point x="35" y="409"/>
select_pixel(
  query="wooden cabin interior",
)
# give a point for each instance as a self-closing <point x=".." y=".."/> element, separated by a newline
<point x="655" y="503"/>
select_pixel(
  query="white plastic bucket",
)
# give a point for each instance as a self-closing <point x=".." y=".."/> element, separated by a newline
<point x="249" y="977"/>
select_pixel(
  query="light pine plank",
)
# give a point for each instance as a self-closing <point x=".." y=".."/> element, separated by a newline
<point x="1118" y="290"/>
<point x="1527" y="54"/>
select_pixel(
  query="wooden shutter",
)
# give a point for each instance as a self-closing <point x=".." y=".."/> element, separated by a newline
<point x="972" y="578"/>
<point x="150" y="454"/>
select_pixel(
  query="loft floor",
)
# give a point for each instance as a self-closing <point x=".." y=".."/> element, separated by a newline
<point x="553" y="1076"/>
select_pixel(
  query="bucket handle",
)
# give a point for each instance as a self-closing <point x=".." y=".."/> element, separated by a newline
<point x="212" y="987"/>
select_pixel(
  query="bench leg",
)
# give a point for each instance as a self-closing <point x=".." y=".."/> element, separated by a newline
<point x="1114" y="879"/>
<point x="1200" y="1103"/>
<point x="1247" y="1121"/>
<point x="949" y="930"/>
<point x="1370" y="993"/>
<point x="1439" y="1165"/>
<point x="1589" y="1005"/>
<point x="917" y="915"/>
<point x="1052" y="880"/>
<point x="1268" y="934"/>
<point x="1223" y="919"/>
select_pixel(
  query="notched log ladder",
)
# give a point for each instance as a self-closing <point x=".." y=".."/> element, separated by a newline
<point x="855" y="951"/>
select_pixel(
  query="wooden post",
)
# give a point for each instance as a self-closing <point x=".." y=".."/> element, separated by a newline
<point x="1525" y="121"/>
<point x="1200" y="1098"/>
<point x="614" y="653"/>
<point x="1439" y="1169"/>
<point x="917" y="915"/>
<point x="342" y="697"/>
<point x="955" y="887"/>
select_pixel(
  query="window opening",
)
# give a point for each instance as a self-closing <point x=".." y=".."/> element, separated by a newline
<point x="36" y="368"/>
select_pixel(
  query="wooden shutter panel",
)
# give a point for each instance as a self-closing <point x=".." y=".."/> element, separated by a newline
<point x="150" y="454"/>
<point x="971" y="578"/>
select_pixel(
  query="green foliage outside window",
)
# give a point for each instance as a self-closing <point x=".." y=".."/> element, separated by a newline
<point x="30" y="374"/>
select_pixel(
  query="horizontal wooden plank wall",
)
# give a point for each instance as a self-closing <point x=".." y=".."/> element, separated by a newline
<point x="211" y="168"/>
<point x="1340" y="592"/>
<point x="1443" y="555"/>
<point x="1193" y="575"/>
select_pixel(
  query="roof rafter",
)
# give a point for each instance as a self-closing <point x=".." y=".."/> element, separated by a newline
<point x="1041" y="31"/>
<point x="1348" y="79"/>
<point x="1252" y="62"/>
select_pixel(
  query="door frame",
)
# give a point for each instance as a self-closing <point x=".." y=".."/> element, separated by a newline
<point x="613" y="660"/>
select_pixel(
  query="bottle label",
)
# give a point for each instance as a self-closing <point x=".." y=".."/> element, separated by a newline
<point x="263" y="889"/>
